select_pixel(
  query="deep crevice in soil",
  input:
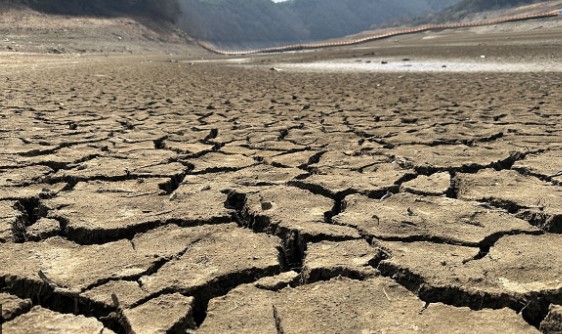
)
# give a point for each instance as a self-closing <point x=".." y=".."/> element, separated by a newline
<point x="533" y="309"/>
<point x="294" y="245"/>
<point x="84" y="236"/>
<point x="43" y="295"/>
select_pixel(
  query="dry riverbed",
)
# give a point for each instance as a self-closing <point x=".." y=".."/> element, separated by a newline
<point x="146" y="194"/>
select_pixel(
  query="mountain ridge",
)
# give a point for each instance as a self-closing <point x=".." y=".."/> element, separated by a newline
<point x="225" y="22"/>
<point x="263" y="23"/>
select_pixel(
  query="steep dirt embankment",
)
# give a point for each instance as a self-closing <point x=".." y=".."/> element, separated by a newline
<point x="26" y="30"/>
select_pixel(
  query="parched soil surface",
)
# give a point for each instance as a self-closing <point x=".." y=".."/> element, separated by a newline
<point x="148" y="196"/>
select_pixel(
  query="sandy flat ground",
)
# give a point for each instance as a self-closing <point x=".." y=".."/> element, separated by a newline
<point x="155" y="193"/>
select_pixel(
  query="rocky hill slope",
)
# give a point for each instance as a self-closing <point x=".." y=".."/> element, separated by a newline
<point x="53" y="30"/>
<point x="466" y="7"/>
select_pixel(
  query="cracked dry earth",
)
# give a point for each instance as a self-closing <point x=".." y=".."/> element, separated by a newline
<point x="154" y="197"/>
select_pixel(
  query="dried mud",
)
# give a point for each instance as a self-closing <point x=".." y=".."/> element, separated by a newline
<point x="139" y="195"/>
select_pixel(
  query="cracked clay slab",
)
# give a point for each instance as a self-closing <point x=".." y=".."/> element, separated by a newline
<point x="227" y="255"/>
<point x="517" y="268"/>
<point x="376" y="305"/>
<point x="84" y="210"/>
<point x="437" y="184"/>
<point x="63" y="261"/>
<point x="171" y="313"/>
<point x="533" y="200"/>
<point x="9" y="217"/>
<point x="292" y="209"/>
<point x="351" y="258"/>
<point x="374" y="182"/>
<point x="43" y="321"/>
<point x="13" y="306"/>
<point x="406" y="216"/>
<point x="452" y="157"/>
